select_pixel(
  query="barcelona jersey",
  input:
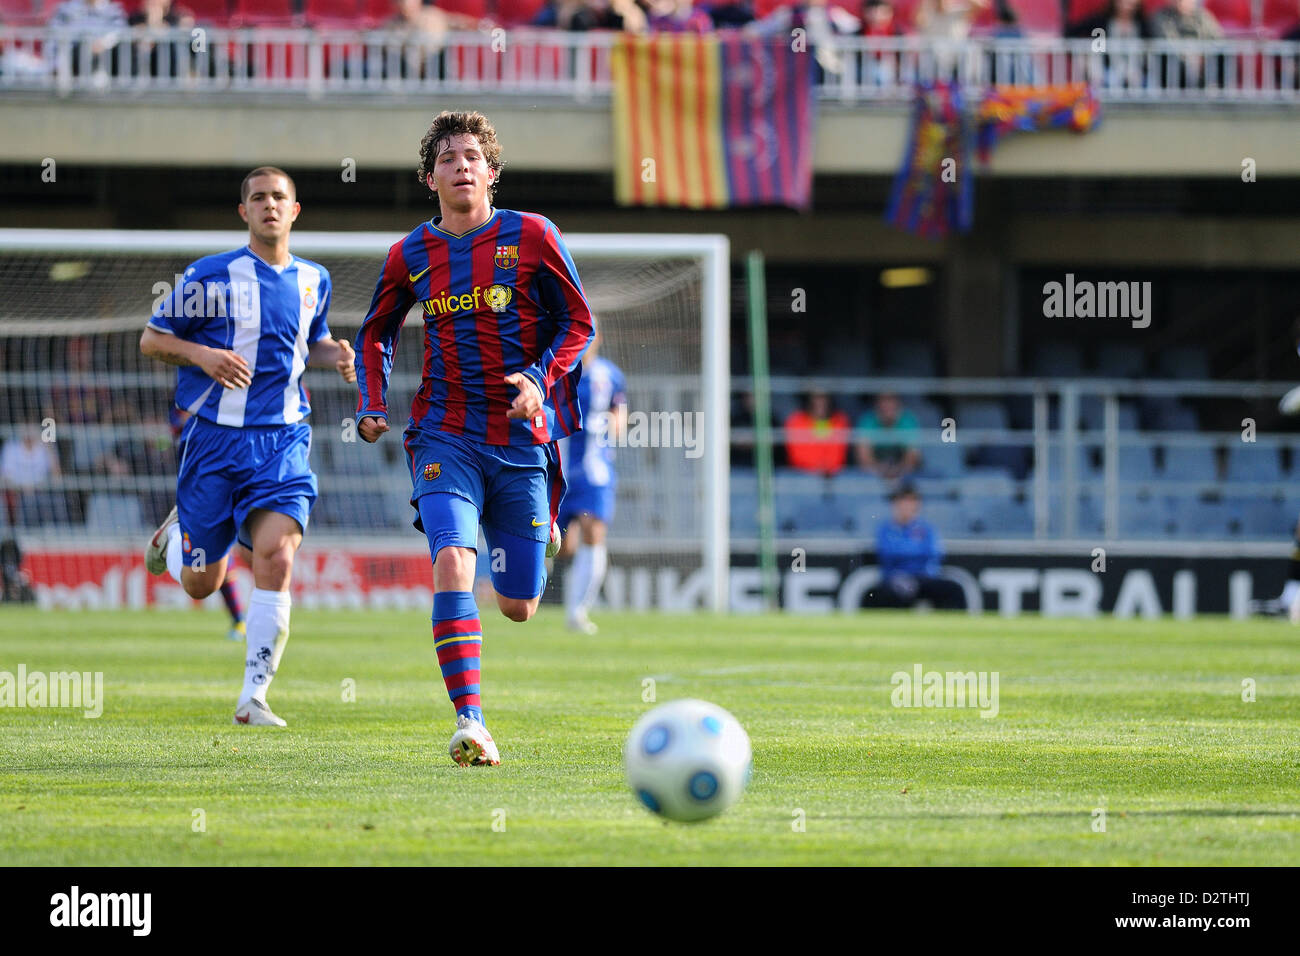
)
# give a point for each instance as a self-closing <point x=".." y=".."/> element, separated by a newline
<point x="503" y="298"/>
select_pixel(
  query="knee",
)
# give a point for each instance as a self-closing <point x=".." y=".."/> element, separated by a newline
<point x="197" y="586"/>
<point x="277" y="562"/>
<point x="517" y="610"/>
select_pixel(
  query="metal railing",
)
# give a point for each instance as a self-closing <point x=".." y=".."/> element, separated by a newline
<point x="1074" y="483"/>
<point x="576" y="66"/>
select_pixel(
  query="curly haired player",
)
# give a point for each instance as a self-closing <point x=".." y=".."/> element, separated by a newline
<point x="506" y="324"/>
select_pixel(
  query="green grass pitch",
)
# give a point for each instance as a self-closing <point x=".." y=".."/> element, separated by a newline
<point x="1143" y="719"/>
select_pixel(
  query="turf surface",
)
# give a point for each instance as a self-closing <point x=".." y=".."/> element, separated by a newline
<point x="1142" y="719"/>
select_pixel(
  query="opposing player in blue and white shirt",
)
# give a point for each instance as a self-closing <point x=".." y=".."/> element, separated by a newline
<point x="242" y="326"/>
<point x="592" y="481"/>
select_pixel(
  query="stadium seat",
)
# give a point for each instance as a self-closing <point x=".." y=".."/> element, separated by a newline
<point x="215" y="13"/>
<point x="1087" y="462"/>
<point x="950" y="519"/>
<point x="113" y="514"/>
<point x="980" y="413"/>
<point x="358" y="510"/>
<point x="1167" y="414"/>
<point x="928" y="414"/>
<point x="1185" y="362"/>
<point x="1092" y="413"/>
<point x="909" y="359"/>
<point x="1190" y="463"/>
<point x="1057" y="360"/>
<point x="811" y="513"/>
<point x="1250" y="462"/>
<point x="1279" y="16"/>
<point x="1143" y="516"/>
<point x="376" y="13"/>
<point x="943" y="460"/>
<point x="1120" y="361"/>
<point x="1197" y="518"/>
<point x="512" y="13"/>
<point x="1263" y="517"/>
<point x="1136" y="463"/>
<point x="22" y="13"/>
<point x="1038" y="16"/>
<point x="263" y="13"/>
<point x="38" y="509"/>
<point x="1000" y="517"/>
<point x="1231" y="14"/>
<point x="332" y="14"/>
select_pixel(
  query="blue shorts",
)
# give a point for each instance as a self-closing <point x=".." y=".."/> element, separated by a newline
<point x="511" y="490"/>
<point x="582" y="498"/>
<point x="226" y="473"/>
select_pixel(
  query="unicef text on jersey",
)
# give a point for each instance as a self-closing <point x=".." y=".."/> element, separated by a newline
<point x="214" y="299"/>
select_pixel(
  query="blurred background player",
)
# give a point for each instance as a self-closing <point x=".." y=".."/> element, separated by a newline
<point x="229" y="591"/>
<point x="591" y="480"/>
<point x="506" y="324"/>
<point x="244" y="475"/>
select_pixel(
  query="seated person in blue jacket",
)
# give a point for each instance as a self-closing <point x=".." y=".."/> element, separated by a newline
<point x="910" y="555"/>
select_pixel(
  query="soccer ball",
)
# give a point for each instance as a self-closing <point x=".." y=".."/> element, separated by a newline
<point x="688" y="760"/>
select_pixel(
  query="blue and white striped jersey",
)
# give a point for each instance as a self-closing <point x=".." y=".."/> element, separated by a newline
<point x="268" y="315"/>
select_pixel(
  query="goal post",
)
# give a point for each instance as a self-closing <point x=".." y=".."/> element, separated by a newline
<point x="73" y="303"/>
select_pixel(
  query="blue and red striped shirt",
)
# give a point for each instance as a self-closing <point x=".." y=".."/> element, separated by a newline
<point x="503" y="298"/>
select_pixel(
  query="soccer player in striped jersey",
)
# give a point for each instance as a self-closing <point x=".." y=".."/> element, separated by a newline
<point x="505" y="326"/>
<point x="591" y="480"/>
<point x="243" y="326"/>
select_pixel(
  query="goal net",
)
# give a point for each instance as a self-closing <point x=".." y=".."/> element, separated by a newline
<point x="88" y="456"/>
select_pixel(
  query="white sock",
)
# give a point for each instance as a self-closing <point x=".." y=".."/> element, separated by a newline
<point x="575" y="586"/>
<point x="175" y="556"/>
<point x="1290" y="591"/>
<point x="596" y="576"/>
<point x="267" y="625"/>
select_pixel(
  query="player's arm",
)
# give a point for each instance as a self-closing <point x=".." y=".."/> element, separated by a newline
<point x="228" y="369"/>
<point x="562" y="295"/>
<point x="376" y="341"/>
<point x="323" y="350"/>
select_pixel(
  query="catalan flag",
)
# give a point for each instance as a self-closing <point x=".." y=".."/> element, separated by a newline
<point x="710" y="121"/>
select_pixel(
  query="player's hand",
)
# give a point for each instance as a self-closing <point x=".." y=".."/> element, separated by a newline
<point x="528" y="403"/>
<point x="347" y="362"/>
<point x="371" y="428"/>
<point x="228" y="369"/>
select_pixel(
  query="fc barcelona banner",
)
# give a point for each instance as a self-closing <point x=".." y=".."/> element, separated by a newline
<point x="933" y="191"/>
<point x="1006" y="109"/>
<point x="708" y="121"/>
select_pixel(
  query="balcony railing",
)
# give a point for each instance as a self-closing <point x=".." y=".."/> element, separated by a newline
<point x="576" y="66"/>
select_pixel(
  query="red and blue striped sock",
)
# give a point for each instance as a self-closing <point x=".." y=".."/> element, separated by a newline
<point x="458" y="639"/>
<point x="230" y="594"/>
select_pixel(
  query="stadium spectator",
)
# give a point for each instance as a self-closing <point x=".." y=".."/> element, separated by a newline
<point x="101" y="23"/>
<point x="886" y="439"/>
<point x="947" y="19"/>
<point x="1007" y="26"/>
<point x="816" y="436"/>
<point x="878" y="20"/>
<point x="730" y="15"/>
<point x="1187" y="20"/>
<point x="583" y="15"/>
<point x="910" y="557"/>
<point x="677" y="16"/>
<point x="147" y="55"/>
<point x="26" y="462"/>
<point x="1121" y="20"/>
<point x="818" y="19"/>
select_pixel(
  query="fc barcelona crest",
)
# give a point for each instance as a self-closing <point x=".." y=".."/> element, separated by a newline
<point x="507" y="257"/>
<point x="432" y="470"/>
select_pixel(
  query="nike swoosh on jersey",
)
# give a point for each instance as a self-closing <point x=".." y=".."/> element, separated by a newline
<point x="538" y="524"/>
<point x="415" y="277"/>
